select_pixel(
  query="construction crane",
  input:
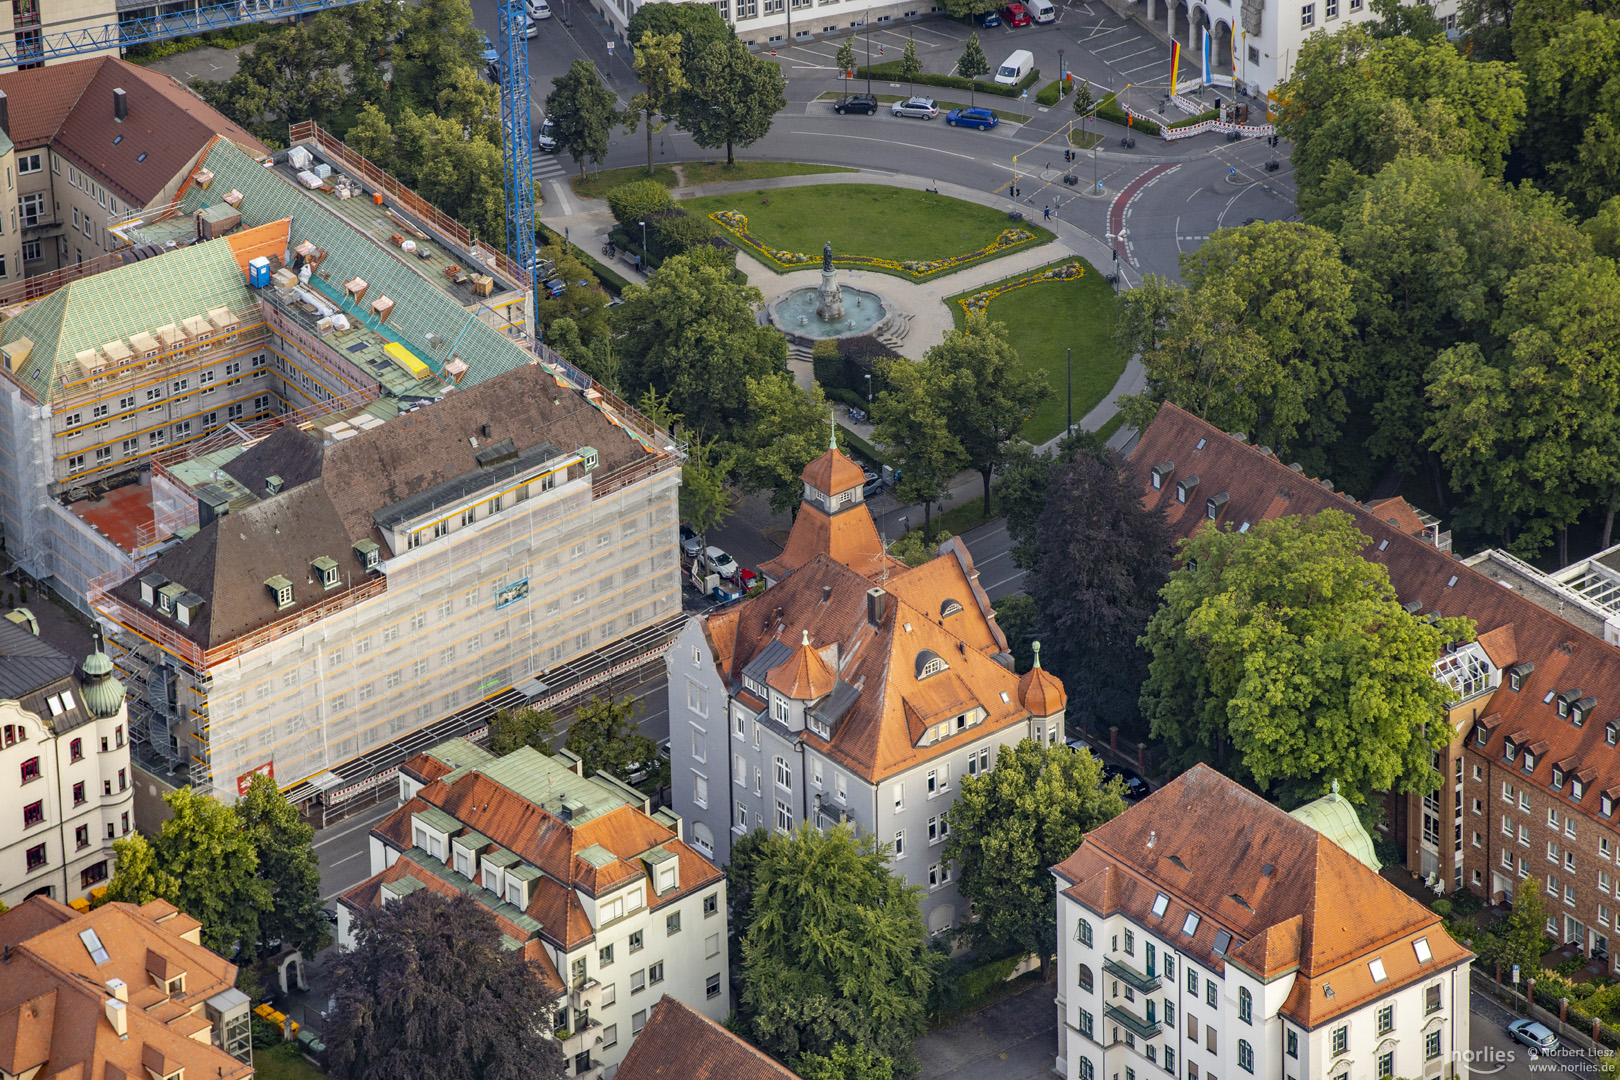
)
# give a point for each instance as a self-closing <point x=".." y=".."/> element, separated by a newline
<point x="517" y="145"/>
<point x="34" y="44"/>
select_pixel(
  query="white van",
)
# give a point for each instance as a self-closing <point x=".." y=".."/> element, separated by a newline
<point x="1041" y="11"/>
<point x="1014" y="68"/>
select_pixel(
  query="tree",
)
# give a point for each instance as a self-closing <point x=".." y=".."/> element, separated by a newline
<point x="703" y="500"/>
<point x="972" y="64"/>
<point x="632" y="202"/>
<point x="583" y="113"/>
<point x="1010" y="826"/>
<point x="788" y="428"/>
<point x="910" y="66"/>
<point x="138" y="876"/>
<point x="836" y="951"/>
<point x="913" y="550"/>
<point x="691" y="333"/>
<point x="288" y="866"/>
<point x="509" y="730"/>
<point x="603" y="735"/>
<point x="212" y="866"/>
<point x="1098" y="562"/>
<point x="740" y="874"/>
<point x="699" y="26"/>
<point x="992" y="393"/>
<point x="1396" y="19"/>
<point x="430" y="989"/>
<point x="583" y="301"/>
<point x="439" y="37"/>
<point x="658" y="66"/>
<point x="912" y="421"/>
<point x="846" y="61"/>
<point x="1522" y="939"/>
<point x="1258" y="340"/>
<point x="1017" y="616"/>
<point x="1571" y="63"/>
<point x="733" y="98"/>
<point x="845" y="1062"/>
<point x="1284" y="657"/>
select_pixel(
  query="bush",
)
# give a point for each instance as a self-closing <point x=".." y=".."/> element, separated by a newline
<point x="1108" y="109"/>
<point x="848" y="397"/>
<point x="719" y="254"/>
<point x="1207" y="114"/>
<point x="1441" y="908"/>
<point x="827" y="365"/>
<point x="981" y="978"/>
<point x="863" y="450"/>
<point x="890" y="70"/>
<point x="632" y="202"/>
<point x="673" y="231"/>
<point x="1053" y="92"/>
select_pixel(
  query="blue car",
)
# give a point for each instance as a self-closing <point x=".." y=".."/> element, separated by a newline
<point x="989" y="19"/>
<point x="979" y="118"/>
<point x="490" y="56"/>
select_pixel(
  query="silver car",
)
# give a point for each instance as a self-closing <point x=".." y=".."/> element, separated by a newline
<point x="919" y="108"/>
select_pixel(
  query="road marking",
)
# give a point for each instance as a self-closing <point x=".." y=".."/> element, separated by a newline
<point x="358" y="825"/>
<point x="1099" y="32"/>
<point x="1116" y="45"/>
<point x="1138" y="52"/>
<point x="944" y="39"/>
<point x="347" y="858"/>
<point x="1194" y="194"/>
<point x="562" y="198"/>
<point x="890" y="142"/>
<point x="1003" y="581"/>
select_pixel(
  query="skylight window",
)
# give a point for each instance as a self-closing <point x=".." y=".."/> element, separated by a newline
<point x="118" y="139"/>
<point x="93" y="946"/>
<point x="1190" y="926"/>
<point x="1376" y="966"/>
<point x="1160" y="902"/>
<point x="1421" y="947"/>
<point x="141" y="158"/>
<point x="1223" y="941"/>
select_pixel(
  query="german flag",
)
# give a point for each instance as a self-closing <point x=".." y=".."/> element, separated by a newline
<point x="1175" y="63"/>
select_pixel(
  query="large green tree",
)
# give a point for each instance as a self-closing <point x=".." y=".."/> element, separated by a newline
<point x="430" y="989"/>
<point x="288" y="866"/>
<point x="604" y="736"/>
<point x="1258" y="340"/>
<point x="691" y="333"/>
<point x="1098" y="561"/>
<point x="510" y="729"/>
<point x="438" y="39"/>
<point x="663" y="80"/>
<point x="138" y="877"/>
<point x="835" y="951"/>
<point x="583" y="113"/>
<point x="1522" y="939"/>
<point x="992" y="393"/>
<point x="1010" y="826"/>
<point x="1283" y="657"/>
<point x="699" y="26"/>
<point x="912" y="420"/>
<point x="733" y="98"/>
<point x="212" y="865"/>
<point x="788" y="427"/>
<point x="845" y="1062"/>
<point x="1572" y="72"/>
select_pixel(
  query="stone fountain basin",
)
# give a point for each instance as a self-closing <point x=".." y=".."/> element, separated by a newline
<point x="795" y="314"/>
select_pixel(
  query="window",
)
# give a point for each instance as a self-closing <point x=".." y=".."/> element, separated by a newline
<point x="78" y="794"/>
<point x="637" y="940"/>
<point x="32" y="207"/>
<point x="32" y="251"/>
<point x="33" y="813"/>
<point x="1376" y="966"/>
<point x="784" y="816"/>
<point x="1245" y="1005"/>
<point x="1245" y="1056"/>
<point x="1211" y="993"/>
<point x="610" y="1035"/>
<point x="655" y="973"/>
<point x="1341" y="1039"/>
<point x="1192" y="982"/>
<point x="28" y="163"/>
<point x="672" y="926"/>
<point x="1431" y="1045"/>
<point x="1082" y="933"/>
<point x="30" y="770"/>
<point x="637" y="1022"/>
<point x="711" y="987"/>
<point x="1189" y="926"/>
<point x="711" y="904"/>
<point x="604" y="956"/>
<point x="1292" y="1042"/>
<point x="36" y="856"/>
<point x="784" y="777"/>
<point x="1386" y="1019"/>
<point x="81" y="836"/>
<point x="1386" y="1063"/>
<point x="1431" y="999"/>
<point x="900" y="843"/>
<point x="1086" y="1024"/>
<point x="899" y="797"/>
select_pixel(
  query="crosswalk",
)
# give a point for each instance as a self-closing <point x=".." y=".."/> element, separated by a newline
<point x="547" y="167"/>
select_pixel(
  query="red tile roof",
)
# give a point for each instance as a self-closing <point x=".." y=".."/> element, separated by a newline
<point x="804" y="675"/>
<point x="680" y="1043"/>
<point x="1511" y="627"/>
<point x="1290" y="898"/>
<point x="832" y="473"/>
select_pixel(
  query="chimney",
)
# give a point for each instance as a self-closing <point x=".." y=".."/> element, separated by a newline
<point x="826" y="593"/>
<point x="117" y="1017"/>
<point x="118" y="989"/>
<point x="877" y="605"/>
<point x="5" y="114"/>
<point x="120" y="106"/>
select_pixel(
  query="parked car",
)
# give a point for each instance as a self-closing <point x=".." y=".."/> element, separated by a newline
<point x="490" y="56"/>
<point x="1015" y="15"/>
<point x="873" y="485"/>
<point x="530" y="27"/>
<point x="983" y="119"/>
<point x="1136" y="788"/>
<point x="539" y="9"/>
<point x="546" y="138"/>
<point x="862" y="104"/>
<point x="716" y="561"/>
<point x="1536" y="1036"/>
<point x="989" y="19"/>
<point x="556" y="287"/>
<point x="691" y="542"/>
<point x="919" y="108"/>
<point x="1079" y="744"/>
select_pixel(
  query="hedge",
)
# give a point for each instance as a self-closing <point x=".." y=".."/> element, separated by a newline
<point x="848" y="397"/>
<point x="1207" y="114"/>
<point x="1052" y="92"/>
<point x="863" y="449"/>
<point x="1108" y="109"/>
<point x="890" y="70"/>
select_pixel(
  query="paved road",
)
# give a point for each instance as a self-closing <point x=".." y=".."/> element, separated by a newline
<point x="1495" y="1054"/>
<point x="343" y="848"/>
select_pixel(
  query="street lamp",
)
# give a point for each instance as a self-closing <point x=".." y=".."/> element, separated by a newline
<point x="1068" y="365"/>
<point x="868" y="391"/>
<point x="866" y="21"/>
<point x="644" y="245"/>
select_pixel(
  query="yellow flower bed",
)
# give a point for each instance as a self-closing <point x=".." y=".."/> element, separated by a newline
<point x="736" y="224"/>
<point x="981" y="300"/>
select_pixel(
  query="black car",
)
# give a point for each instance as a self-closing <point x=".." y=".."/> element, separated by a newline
<point x="1135" y="787"/>
<point x="856" y="103"/>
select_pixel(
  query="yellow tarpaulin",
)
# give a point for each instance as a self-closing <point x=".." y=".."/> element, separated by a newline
<point x="407" y="360"/>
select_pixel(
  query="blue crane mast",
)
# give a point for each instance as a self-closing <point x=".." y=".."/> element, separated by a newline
<point x="517" y="144"/>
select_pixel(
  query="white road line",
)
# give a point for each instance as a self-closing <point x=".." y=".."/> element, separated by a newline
<point x="1116" y="45"/>
<point x="1142" y="67"/>
<point x="942" y="38"/>
<point x="1194" y="193"/>
<point x="890" y="142"/>
<point x="367" y="824"/>
<point x="1099" y="32"/>
<point x="1138" y="52"/>
<point x="1004" y="580"/>
<point x="347" y="858"/>
<point x="562" y="198"/>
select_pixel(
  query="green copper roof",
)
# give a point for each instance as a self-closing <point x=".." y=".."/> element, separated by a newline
<point x="1334" y="817"/>
<point x="102" y="694"/>
<point x="551" y="784"/>
<point x="92" y="311"/>
<point x="457" y="753"/>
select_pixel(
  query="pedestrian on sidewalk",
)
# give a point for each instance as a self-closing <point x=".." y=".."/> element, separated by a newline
<point x="1048" y="212"/>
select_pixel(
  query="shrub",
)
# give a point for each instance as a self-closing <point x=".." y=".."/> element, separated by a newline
<point x="827" y="364"/>
<point x="1052" y="92"/>
<point x="890" y="70"/>
<point x="848" y="397"/>
<point x="1207" y="114"/>
<point x="673" y="231"/>
<point x="632" y="202"/>
<point x="864" y="451"/>
<point x="1441" y="908"/>
<point x="1108" y="109"/>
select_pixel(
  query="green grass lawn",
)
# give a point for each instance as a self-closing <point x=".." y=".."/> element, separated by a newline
<point x="687" y="174"/>
<point x="596" y="185"/>
<point x="866" y="219"/>
<point x="1045" y="318"/>
<point x="283" y="1062"/>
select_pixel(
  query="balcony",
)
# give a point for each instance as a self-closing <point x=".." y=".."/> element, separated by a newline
<point x="1142" y="984"/>
<point x="585" y="994"/>
<point x="586" y="1038"/>
<point x="1142" y="1029"/>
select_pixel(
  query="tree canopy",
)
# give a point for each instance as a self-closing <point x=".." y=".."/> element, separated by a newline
<point x="1010" y="826"/>
<point x="788" y="428"/>
<point x="835" y="950"/>
<point x="583" y="113"/>
<point x="603" y="734"/>
<point x="510" y="729"/>
<point x="733" y="98"/>
<point x="287" y="865"/>
<point x="913" y="419"/>
<point x="663" y="80"/>
<point x="1283" y="657"/>
<point x="430" y="989"/>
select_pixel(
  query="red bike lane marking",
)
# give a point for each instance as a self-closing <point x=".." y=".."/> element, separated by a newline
<point x="1122" y="201"/>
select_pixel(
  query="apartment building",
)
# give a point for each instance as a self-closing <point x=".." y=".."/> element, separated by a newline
<point x="679" y="1041"/>
<point x="65" y="783"/>
<point x="97" y="141"/>
<point x="615" y="907"/>
<point x="1530" y="779"/>
<point x="117" y="992"/>
<point x="1206" y="933"/>
<point x="766" y="23"/>
<point x="26" y="23"/>
<point x="853" y="689"/>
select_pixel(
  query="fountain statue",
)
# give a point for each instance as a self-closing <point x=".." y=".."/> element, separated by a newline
<point x="830" y="297"/>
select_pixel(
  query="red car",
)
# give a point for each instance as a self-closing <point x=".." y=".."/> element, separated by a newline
<point x="1015" y="15"/>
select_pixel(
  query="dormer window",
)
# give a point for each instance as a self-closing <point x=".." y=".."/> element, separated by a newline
<point x="367" y="552"/>
<point x="1576" y="789"/>
<point x="1517" y="675"/>
<point x="1606" y="805"/>
<point x="669" y="877"/>
<point x="515" y="891"/>
<point x="326" y="572"/>
<point x="1611" y="732"/>
<point x="282" y="590"/>
<point x="1161" y="473"/>
<point x="1509" y="751"/>
<point x="1579" y="710"/>
<point x="1557" y="778"/>
<point x="1213" y="508"/>
<point x="176" y="985"/>
<point x="1529" y="762"/>
<point x="1482" y="735"/>
<point x="929" y="663"/>
<point x="1184" y="488"/>
<point x="1566" y="701"/>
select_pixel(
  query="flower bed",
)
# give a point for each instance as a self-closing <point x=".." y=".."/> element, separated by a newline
<point x="736" y="223"/>
<point x="981" y="300"/>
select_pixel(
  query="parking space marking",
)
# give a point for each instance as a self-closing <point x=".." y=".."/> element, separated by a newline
<point x="1116" y="45"/>
<point x="1142" y="67"/>
<point x="1116" y="60"/>
<point x="945" y="39"/>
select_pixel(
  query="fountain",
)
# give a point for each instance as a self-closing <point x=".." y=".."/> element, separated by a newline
<point x="829" y="310"/>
